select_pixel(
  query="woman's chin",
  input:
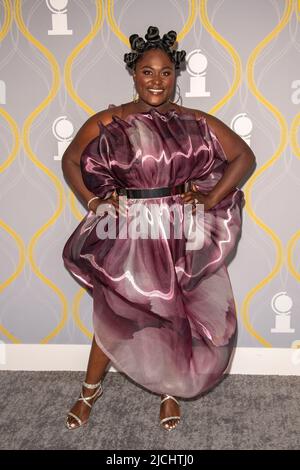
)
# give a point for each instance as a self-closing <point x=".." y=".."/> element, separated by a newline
<point x="155" y="100"/>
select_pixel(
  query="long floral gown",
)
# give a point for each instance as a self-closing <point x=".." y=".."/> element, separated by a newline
<point x="163" y="311"/>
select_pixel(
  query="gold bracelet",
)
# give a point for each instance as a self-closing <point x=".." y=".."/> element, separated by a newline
<point x="92" y="199"/>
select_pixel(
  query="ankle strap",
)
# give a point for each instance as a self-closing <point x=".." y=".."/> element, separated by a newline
<point x="167" y="397"/>
<point x="91" y="386"/>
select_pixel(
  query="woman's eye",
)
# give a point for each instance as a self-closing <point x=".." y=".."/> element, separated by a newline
<point x="146" y="72"/>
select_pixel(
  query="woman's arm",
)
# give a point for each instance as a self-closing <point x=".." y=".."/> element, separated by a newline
<point x="239" y="156"/>
<point x="71" y="157"/>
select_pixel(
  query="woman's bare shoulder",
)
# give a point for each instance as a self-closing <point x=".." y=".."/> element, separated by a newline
<point x="232" y="144"/>
<point x="89" y="131"/>
<point x="214" y="122"/>
<point x="105" y="116"/>
<point x="197" y="112"/>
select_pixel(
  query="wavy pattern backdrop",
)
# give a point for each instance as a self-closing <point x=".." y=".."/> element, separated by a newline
<point x="62" y="61"/>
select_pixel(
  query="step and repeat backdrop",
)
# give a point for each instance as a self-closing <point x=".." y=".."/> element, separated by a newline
<point x="61" y="62"/>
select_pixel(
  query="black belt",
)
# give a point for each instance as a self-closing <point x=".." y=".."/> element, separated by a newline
<point x="151" y="192"/>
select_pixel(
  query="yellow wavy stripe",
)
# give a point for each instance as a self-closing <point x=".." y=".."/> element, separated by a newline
<point x="249" y="186"/>
<point x="296" y="151"/>
<point x="204" y="19"/>
<point x="75" y="52"/>
<point x="20" y="266"/>
<point x="70" y="88"/>
<point x="9" y="335"/>
<point x="20" y="243"/>
<point x="13" y="277"/>
<point x="295" y="237"/>
<point x="58" y="185"/>
<point x="231" y="51"/>
<point x="7" y="22"/>
<point x="78" y="296"/>
<point x="116" y="30"/>
<point x="15" y="131"/>
<point x="74" y="206"/>
<point x="189" y="22"/>
<point x="290" y="253"/>
<point x="75" y="97"/>
<point x="293" y="136"/>
<point x="76" y="313"/>
<point x="112" y="23"/>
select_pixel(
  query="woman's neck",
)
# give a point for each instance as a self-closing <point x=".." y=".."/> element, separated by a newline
<point x="142" y="106"/>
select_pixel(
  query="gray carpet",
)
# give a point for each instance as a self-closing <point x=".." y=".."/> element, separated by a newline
<point x="242" y="412"/>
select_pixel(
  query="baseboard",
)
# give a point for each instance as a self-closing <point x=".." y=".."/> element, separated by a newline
<point x="256" y="361"/>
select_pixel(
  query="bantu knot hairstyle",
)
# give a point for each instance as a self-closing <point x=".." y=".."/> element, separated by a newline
<point x="153" y="40"/>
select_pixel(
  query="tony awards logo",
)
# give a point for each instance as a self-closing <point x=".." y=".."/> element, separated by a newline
<point x="62" y="129"/>
<point x="241" y="124"/>
<point x="59" y="18"/>
<point x="2" y="92"/>
<point x="281" y="304"/>
<point x="196" y="64"/>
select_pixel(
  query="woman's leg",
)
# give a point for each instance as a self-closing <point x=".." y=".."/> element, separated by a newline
<point x="95" y="370"/>
<point x="96" y="365"/>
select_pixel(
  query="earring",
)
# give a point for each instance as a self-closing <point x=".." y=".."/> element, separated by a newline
<point x="135" y="95"/>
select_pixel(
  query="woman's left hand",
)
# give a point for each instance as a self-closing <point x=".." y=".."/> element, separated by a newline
<point x="195" y="197"/>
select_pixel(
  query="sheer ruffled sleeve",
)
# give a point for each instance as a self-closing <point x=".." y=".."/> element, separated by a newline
<point x="217" y="159"/>
<point x="216" y="144"/>
<point x="95" y="168"/>
<point x="207" y="182"/>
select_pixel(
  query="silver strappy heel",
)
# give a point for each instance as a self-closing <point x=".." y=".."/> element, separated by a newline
<point x="169" y="418"/>
<point x="96" y="395"/>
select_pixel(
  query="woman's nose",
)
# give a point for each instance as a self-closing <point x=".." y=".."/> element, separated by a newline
<point x="156" y="81"/>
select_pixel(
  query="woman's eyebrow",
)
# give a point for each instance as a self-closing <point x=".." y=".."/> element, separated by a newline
<point x="149" y="67"/>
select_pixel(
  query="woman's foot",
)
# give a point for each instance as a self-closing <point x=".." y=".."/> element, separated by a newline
<point x="169" y="412"/>
<point x="80" y="412"/>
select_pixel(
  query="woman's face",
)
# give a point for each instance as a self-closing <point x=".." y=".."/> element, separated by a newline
<point x="154" y="77"/>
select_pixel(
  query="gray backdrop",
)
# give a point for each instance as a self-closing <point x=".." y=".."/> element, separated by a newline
<point x="62" y="62"/>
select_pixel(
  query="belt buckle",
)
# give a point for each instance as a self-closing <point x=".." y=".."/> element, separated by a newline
<point x="122" y="191"/>
<point x="187" y="186"/>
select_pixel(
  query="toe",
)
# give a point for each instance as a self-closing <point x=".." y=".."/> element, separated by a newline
<point x="71" y="423"/>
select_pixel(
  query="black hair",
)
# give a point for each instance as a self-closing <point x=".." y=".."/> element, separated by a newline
<point x="153" y="40"/>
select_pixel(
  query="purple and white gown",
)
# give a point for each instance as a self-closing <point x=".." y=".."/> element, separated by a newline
<point x="163" y="313"/>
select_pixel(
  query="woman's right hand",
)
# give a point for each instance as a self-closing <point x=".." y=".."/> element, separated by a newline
<point x="113" y="200"/>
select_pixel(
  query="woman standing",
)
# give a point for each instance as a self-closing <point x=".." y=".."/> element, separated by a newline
<point x="163" y="309"/>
